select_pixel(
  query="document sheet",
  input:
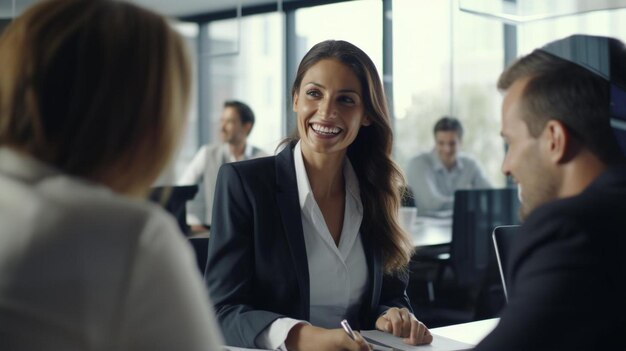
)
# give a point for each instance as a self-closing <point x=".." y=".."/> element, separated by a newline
<point x="390" y="342"/>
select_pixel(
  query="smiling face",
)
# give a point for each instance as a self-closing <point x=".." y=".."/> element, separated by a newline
<point x="232" y="130"/>
<point x="447" y="144"/>
<point x="329" y="108"/>
<point x="525" y="161"/>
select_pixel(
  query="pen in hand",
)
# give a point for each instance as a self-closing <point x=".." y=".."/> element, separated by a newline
<point x="347" y="328"/>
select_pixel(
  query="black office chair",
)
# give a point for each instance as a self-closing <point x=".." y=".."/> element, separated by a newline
<point x="201" y="248"/>
<point x="476" y="213"/>
<point x="174" y="200"/>
<point x="462" y="275"/>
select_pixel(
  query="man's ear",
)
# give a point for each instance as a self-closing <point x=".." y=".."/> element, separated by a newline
<point x="294" y="106"/>
<point x="558" y="142"/>
<point x="247" y="127"/>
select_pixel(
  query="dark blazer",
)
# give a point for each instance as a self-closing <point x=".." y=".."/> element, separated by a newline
<point x="567" y="275"/>
<point x="257" y="268"/>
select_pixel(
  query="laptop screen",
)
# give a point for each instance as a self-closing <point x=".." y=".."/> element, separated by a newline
<point x="502" y="239"/>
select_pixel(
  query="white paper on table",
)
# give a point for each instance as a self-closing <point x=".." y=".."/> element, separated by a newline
<point x="471" y="333"/>
<point x="439" y="343"/>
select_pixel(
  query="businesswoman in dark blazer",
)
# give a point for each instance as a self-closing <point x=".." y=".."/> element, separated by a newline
<point x="310" y="236"/>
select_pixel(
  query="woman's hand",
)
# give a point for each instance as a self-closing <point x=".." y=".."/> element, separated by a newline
<point x="304" y="337"/>
<point x="402" y="323"/>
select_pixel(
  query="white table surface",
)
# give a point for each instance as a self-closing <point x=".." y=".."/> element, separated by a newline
<point x="470" y="333"/>
<point x="428" y="231"/>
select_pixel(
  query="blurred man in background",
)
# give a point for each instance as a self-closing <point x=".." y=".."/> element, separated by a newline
<point x="236" y="124"/>
<point x="434" y="176"/>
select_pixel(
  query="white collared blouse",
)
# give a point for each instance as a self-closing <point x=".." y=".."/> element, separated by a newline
<point x="337" y="273"/>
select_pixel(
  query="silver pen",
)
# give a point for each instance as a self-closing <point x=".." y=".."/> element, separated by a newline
<point x="347" y="328"/>
<point x="377" y="346"/>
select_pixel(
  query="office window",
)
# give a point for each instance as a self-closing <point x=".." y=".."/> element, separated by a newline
<point x="605" y="23"/>
<point x="3" y="23"/>
<point x="189" y="142"/>
<point x="359" y="22"/>
<point x="245" y="61"/>
<point x="446" y="62"/>
<point x="478" y="60"/>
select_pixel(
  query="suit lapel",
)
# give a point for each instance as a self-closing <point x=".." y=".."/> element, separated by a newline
<point x="375" y="271"/>
<point x="289" y="206"/>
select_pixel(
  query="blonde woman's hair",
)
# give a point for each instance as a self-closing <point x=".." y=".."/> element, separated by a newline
<point x="98" y="89"/>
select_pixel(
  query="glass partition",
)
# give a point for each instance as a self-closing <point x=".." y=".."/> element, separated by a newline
<point x="446" y="62"/>
<point x="245" y="63"/>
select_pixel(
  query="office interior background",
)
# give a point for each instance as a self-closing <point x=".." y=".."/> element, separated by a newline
<point x="436" y="57"/>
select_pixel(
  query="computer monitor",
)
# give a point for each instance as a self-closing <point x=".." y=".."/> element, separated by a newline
<point x="174" y="200"/>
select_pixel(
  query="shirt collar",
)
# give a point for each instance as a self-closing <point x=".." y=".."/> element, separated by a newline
<point x="247" y="152"/>
<point x="438" y="165"/>
<point x="24" y="167"/>
<point x="613" y="175"/>
<point x="304" y="187"/>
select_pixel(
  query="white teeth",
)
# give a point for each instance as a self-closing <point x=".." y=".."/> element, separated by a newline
<point x="325" y="130"/>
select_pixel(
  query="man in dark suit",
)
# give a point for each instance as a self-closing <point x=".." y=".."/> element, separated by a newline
<point x="562" y="115"/>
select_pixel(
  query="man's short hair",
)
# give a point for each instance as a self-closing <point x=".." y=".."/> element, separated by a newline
<point x="245" y="112"/>
<point x="449" y="124"/>
<point x="564" y="91"/>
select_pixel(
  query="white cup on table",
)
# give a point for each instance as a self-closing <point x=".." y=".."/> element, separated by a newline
<point x="407" y="217"/>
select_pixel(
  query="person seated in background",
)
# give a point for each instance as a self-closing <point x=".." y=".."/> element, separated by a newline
<point x="91" y="99"/>
<point x="235" y="127"/>
<point x="309" y="237"/>
<point x="564" y="105"/>
<point x="434" y="176"/>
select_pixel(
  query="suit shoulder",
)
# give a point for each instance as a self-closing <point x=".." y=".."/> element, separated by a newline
<point x="552" y="212"/>
<point x="591" y="213"/>
<point x="585" y="205"/>
<point x="253" y="166"/>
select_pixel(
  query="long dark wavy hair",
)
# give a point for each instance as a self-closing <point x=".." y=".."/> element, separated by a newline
<point x="380" y="179"/>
